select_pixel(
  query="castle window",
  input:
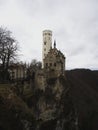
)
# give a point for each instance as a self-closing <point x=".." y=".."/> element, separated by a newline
<point x="55" y="64"/>
<point x="50" y="64"/>
<point x="44" y="43"/>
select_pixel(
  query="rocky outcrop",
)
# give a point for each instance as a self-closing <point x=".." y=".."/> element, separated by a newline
<point x="54" y="108"/>
<point x="14" y="112"/>
<point x="65" y="103"/>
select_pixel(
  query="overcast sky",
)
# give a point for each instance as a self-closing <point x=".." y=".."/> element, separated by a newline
<point x="74" y="24"/>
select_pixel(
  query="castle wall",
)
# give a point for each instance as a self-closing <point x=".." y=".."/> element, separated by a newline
<point x="55" y="62"/>
<point x="17" y="72"/>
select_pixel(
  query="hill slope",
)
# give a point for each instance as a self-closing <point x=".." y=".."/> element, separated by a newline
<point x="84" y="92"/>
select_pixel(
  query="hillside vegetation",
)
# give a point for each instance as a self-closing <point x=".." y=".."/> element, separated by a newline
<point x="84" y="93"/>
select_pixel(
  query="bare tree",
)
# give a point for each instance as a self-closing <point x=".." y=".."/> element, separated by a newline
<point x="35" y="65"/>
<point x="8" y="48"/>
<point x="32" y="67"/>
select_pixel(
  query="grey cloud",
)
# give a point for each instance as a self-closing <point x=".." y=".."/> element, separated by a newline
<point x="2" y="1"/>
<point x="77" y="51"/>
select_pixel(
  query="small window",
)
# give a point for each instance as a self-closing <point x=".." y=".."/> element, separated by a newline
<point x="44" y="49"/>
<point x="44" y="43"/>
<point x="50" y="64"/>
<point x="55" y="64"/>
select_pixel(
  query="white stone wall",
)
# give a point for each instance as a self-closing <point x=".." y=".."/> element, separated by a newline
<point x="17" y="72"/>
<point x="47" y="44"/>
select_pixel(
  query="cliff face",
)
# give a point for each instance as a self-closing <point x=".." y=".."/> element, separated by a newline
<point x="66" y="103"/>
<point x="53" y="106"/>
<point x="78" y="103"/>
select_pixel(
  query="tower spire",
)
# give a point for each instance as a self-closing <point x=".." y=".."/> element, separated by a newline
<point x="54" y="43"/>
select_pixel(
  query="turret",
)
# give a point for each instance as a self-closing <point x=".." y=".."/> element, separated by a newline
<point x="47" y="44"/>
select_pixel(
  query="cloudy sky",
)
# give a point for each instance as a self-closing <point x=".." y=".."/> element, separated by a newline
<point x="74" y="24"/>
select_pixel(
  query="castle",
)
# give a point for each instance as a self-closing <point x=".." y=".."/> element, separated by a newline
<point x="53" y="61"/>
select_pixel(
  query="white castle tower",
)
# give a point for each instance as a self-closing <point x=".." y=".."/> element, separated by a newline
<point x="47" y="44"/>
